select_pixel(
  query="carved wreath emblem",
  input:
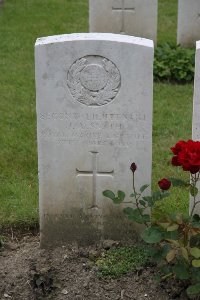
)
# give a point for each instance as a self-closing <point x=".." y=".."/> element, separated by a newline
<point x="94" y="80"/>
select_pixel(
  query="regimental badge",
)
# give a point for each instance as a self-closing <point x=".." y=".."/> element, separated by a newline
<point x="94" y="80"/>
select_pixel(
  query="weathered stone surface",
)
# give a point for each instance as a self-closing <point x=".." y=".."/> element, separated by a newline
<point x="94" y="118"/>
<point x="188" y="22"/>
<point x="196" y="111"/>
<point x="132" y="17"/>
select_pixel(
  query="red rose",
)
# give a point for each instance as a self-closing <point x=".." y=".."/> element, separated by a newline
<point x="133" y="167"/>
<point x="164" y="184"/>
<point x="178" y="147"/>
<point x="187" y="155"/>
<point x="175" y="161"/>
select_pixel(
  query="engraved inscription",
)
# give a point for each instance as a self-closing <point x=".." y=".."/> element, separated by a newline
<point x="94" y="80"/>
<point x="106" y="129"/>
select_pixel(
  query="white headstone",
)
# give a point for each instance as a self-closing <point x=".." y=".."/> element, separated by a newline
<point x="132" y="17"/>
<point x="94" y="118"/>
<point x="188" y="22"/>
<point x="196" y="110"/>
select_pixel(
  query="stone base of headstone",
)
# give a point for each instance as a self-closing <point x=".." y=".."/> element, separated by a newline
<point x="86" y="230"/>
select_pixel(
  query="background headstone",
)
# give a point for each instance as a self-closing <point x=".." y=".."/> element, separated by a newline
<point x="94" y="118"/>
<point x="196" y="110"/>
<point x="132" y="17"/>
<point x="188" y="22"/>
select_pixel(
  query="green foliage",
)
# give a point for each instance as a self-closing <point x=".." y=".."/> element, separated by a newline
<point x="116" y="199"/>
<point x="119" y="261"/>
<point x="181" y="270"/>
<point x="176" y="182"/>
<point x="136" y="215"/>
<point x="144" y="187"/>
<point x="152" y="235"/>
<point x="173" y="63"/>
<point x="193" y="289"/>
<point x="171" y="234"/>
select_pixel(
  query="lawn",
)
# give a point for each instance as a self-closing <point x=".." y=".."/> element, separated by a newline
<point x="21" y="22"/>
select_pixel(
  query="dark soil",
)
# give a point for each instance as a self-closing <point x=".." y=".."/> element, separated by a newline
<point x="69" y="272"/>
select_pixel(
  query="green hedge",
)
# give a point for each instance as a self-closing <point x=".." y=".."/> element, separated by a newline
<point x="174" y="64"/>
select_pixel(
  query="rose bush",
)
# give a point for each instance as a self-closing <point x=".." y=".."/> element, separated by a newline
<point x="171" y="235"/>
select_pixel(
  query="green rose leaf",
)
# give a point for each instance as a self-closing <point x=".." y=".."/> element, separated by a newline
<point x="109" y="194"/>
<point x="149" y="200"/>
<point x="181" y="271"/>
<point x="195" y="274"/>
<point x="144" y="187"/>
<point x="195" y="252"/>
<point x="121" y="195"/>
<point x="177" y="182"/>
<point x="134" y="214"/>
<point x="193" y="289"/>
<point x="117" y="200"/>
<point x="196" y="218"/>
<point x="152" y="235"/>
<point x="142" y="202"/>
<point x="170" y="255"/>
<point x="196" y="221"/>
<point x="133" y="194"/>
<point x="171" y="235"/>
<point x="172" y="227"/>
<point x="193" y="191"/>
<point x="146" y="218"/>
<point x="196" y="263"/>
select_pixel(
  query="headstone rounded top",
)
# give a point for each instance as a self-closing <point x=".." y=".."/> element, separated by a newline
<point x="110" y="37"/>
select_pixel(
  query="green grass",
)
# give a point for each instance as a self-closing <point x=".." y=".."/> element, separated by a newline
<point x="21" y="22"/>
<point x="167" y="21"/>
<point x="172" y="122"/>
<point x="120" y="261"/>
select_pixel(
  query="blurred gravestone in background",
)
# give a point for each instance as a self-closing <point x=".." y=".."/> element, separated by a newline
<point x="132" y="17"/>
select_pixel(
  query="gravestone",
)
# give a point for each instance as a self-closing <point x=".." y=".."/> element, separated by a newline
<point x="188" y="22"/>
<point x="94" y="118"/>
<point x="132" y="17"/>
<point x="196" y="111"/>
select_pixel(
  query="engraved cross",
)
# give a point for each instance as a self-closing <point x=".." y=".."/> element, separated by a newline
<point x="123" y="8"/>
<point x="94" y="173"/>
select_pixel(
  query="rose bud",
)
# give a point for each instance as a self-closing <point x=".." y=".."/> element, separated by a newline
<point x="164" y="184"/>
<point x="133" y="167"/>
